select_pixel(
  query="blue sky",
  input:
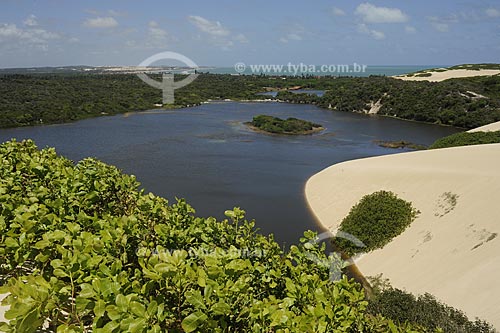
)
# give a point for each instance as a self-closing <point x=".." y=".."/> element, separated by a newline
<point x="223" y="32"/>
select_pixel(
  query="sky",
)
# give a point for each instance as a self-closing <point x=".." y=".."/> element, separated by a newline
<point x="224" y="32"/>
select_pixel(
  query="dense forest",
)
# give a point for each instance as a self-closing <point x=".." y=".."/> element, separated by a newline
<point x="41" y="99"/>
<point x="466" y="103"/>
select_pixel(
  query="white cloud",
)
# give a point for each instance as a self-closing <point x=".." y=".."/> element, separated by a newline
<point x="337" y="11"/>
<point x="492" y="12"/>
<point x="373" y="14"/>
<point x="11" y="36"/>
<point x="101" y="22"/>
<point x="410" y="30"/>
<point x="375" y="34"/>
<point x="213" y="28"/>
<point x="442" y="24"/>
<point x="441" y="27"/>
<point x="241" y="38"/>
<point x="110" y="12"/>
<point x="218" y="34"/>
<point x="31" y="21"/>
<point x="157" y="37"/>
<point x="294" y="32"/>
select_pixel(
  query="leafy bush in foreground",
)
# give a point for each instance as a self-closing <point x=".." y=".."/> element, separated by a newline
<point x="424" y="310"/>
<point x="466" y="139"/>
<point x="375" y="220"/>
<point x="82" y="249"/>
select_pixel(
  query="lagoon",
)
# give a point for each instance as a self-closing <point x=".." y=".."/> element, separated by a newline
<point x="206" y="155"/>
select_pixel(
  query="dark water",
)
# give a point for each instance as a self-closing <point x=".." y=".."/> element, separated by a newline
<point x="206" y="155"/>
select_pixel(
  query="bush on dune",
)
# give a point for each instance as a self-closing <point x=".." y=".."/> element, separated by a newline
<point x="375" y="221"/>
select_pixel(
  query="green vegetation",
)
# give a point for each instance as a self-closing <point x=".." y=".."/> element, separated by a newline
<point x="424" y="311"/>
<point x="375" y="221"/>
<point x="83" y="249"/>
<point x="290" y="126"/>
<point x="444" y="102"/>
<point x="466" y="139"/>
<point x="42" y="99"/>
<point x="477" y="67"/>
<point x="423" y="75"/>
<point x="399" y="144"/>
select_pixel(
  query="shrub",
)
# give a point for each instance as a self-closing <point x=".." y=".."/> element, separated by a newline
<point x="424" y="311"/>
<point x="467" y="139"/>
<point x="83" y="249"/>
<point x="375" y="220"/>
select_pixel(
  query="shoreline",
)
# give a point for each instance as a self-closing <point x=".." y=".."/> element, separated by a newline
<point x="465" y="235"/>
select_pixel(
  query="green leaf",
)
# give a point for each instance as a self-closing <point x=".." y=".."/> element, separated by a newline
<point x="86" y="291"/>
<point x="60" y="273"/>
<point x="42" y="244"/>
<point x="138" y="309"/>
<point x="122" y="303"/>
<point x="99" y="308"/>
<point x="193" y="321"/>
<point x="10" y="242"/>
<point x="30" y="323"/>
<point x="221" y="308"/>
<point x="195" y="299"/>
<point x="137" y="325"/>
<point x="81" y="303"/>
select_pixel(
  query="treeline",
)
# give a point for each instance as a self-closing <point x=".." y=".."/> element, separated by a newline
<point x="467" y="139"/>
<point x="35" y="99"/>
<point x="27" y="100"/>
<point x="466" y="103"/>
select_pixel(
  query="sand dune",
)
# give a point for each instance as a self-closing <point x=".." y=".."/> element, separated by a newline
<point x="493" y="127"/>
<point x="452" y="250"/>
<point x="450" y="74"/>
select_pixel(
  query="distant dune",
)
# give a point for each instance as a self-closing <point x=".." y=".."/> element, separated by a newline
<point x="452" y="250"/>
<point x="449" y="74"/>
<point x="493" y="127"/>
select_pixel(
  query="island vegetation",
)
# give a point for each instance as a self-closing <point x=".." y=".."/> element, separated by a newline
<point x="84" y="249"/>
<point x="27" y="100"/>
<point x="290" y="126"/>
<point x="467" y="139"/>
<point x="375" y="221"/>
<point x="400" y="144"/>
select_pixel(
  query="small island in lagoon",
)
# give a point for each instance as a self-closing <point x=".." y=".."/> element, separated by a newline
<point x="290" y="126"/>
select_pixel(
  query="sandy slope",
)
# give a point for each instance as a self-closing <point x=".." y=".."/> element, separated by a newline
<point x="487" y="128"/>
<point x="452" y="252"/>
<point x="450" y="74"/>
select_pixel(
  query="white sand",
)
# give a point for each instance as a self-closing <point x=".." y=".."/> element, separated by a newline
<point x="437" y="253"/>
<point x="493" y="127"/>
<point x="450" y="74"/>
